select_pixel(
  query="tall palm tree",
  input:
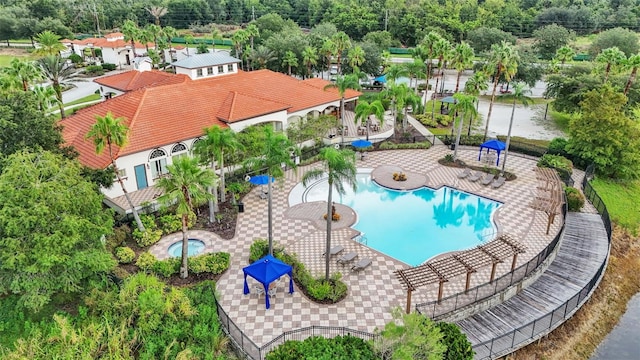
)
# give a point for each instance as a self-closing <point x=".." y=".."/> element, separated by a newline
<point x="45" y="96"/>
<point x="328" y="49"/>
<point x="186" y="187"/>
<point x="612" y="58"/>
<point x="152" y="33"/>
<point x="463" y="106"/>
<point x="364" y="109"/>
<point x="394" y="72"/>
<point x="343" y="83"/>
<point x="262" y="56"/>
<point x="290" y="60"/>
<point x="519" y="96"/>
<point x="405" y="98"/>
<point x="276" y="152"/>
<point x="108" y="132"/>
<point x="309" y="58"/>
<point x="478" y="82"/>
<point x="188" y="39"/>
<point x="131" y="33"/>
<point x="428" y="44"/>
<point x="59" y="73"/>
<point x="49" y="44"/>
<point x="633" y="62"/>
<point x="356" y="57"/>
<point x="157" y="12"/>
<point x="24" y="71"/>
<point x="461" y="59"/>
<point x="340" y="168"/>
<point x="415" y="69"/>
<point x="503" y="60"/>
<point x="252" y="32"/>
<point x="215" y="34"/>
<point x="343" y="42"/>
<point x="564" y="54"/>
<point x="238" y="39"/>
<point x="441" y="49"/>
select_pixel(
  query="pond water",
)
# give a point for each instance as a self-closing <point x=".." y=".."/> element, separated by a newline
<point x="622" y="343"/>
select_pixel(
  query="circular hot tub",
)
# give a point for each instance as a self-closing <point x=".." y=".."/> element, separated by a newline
<point x="195" y="247"/>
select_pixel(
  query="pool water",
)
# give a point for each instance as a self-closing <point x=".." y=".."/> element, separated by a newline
<point x="414" y="226"/>
<point x="195" y="247"/>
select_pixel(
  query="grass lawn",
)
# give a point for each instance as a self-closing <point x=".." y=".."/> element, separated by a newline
<point x="620" y="199"/>
<point x="561" y="120"/>
<point x="5" y="60"/>
<point x="92" y="97"/>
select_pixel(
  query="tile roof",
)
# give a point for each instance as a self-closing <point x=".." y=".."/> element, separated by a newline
<point x="206" y="60"/>
<point x="179" y="109"/>
<point x="132" y="79"/>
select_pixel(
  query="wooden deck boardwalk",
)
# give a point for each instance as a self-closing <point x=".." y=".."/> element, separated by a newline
<point x="583" y="249"/>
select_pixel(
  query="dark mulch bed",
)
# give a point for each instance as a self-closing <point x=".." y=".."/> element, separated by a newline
<point x="225" y="223"/>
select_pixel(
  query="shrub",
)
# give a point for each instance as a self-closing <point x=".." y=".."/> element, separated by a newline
<point x="556" y="162"/>
<point x="119" y="236"/>
<point x="387" y="145"/>
<point x="109" y="67"/>
<point x="170" y="224"/>
<point x="444" y="120"/>
<point x="166" y="268"/>
<point x="215" y="263"/>
<point x="146" y="261"/>
<point x="147" y="238"/>
<point x="426" y="120"/>
<point x="258" y="249"/>
<point x="95" y="70"/>
<point x="557" y="146"/>
<point x="75" y="58"/>
<point x="575" y="199"/>
<point x="317" y="347"/>
<point x="125" y="255"/>
<point x="458" y="346"/>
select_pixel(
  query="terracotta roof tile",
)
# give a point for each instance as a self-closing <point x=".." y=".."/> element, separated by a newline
<point x="132" y="80"/>
<point x="238" y="107"/>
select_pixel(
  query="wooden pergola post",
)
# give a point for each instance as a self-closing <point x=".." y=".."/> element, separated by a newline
<point x="493" y="271"/>
<point x="440" y="287"/>
<point x="408" y="310"/>
<point x="466" y="285"/>
<point x="515" y="259"/>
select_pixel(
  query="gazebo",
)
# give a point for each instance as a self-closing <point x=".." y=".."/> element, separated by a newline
<point x="267" y="270"/>
<point x="493" y="144"/>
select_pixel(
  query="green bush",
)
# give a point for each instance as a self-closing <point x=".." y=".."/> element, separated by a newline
<point x="146" y="261"/>
<point x="318" y="347"/>
<point x="444" y="120"/>
<point x="258" y="249"/>
<point x="575" y="199"/>
<point x="119" y="236"/>
<point x="95" y="70"/>
<point x="387" y="145"/>
<point x="75" y="58"/>
<point x="458" y="346"/>
<point x="147" y="238"/>
<point x="556" y="162"/>
<point x="109" y="67"/>
<point x="426" y="120"/>
<point x="166" y="268"/>
<point x="125" y="255"/>
<point x="170" y="223"/>
<point x="215" y="263"/>
<point x="558" y="146"/>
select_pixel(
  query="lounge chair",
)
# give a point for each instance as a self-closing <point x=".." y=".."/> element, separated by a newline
<point x="498" y="182"/>
<point x="475" y="176"/>
<point x="361" y="264"/>
<point x="335" y="250"/>
<point x="347" y="258"/>
<point x="466" y="172"/>
<point x="487" y="179"/>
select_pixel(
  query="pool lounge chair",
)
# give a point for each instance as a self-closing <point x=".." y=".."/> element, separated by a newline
<point x="361" y="264"/>
<point x="348" y="257"/>
<point x="498" y="182"/>
<point x="487" y="179"/>
<point x="463" y="174"/>
<point x="335" y="250"/>
<point x="475" y="176"/>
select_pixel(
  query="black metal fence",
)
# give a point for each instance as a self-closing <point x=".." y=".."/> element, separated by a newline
<point x="437" y="310"/>
<point x="526" y="334"/>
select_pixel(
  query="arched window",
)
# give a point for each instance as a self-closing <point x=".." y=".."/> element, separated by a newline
<point x="193" y="145"/>
<point x="158" y="163"/>
<point x="178" y="150"/>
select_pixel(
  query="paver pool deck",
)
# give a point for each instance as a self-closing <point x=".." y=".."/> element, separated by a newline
<point x="374" y="291"/>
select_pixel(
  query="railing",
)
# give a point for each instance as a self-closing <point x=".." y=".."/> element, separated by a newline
<point x="538" y="328"/>
<point x="436" y="310"/>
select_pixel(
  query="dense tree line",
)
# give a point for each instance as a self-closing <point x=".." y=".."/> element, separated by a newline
<point x="407" y="21"/>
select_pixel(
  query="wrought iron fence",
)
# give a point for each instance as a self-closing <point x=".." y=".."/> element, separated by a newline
<point x="437" y="310"/>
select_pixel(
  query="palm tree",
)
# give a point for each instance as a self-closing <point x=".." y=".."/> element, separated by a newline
<point x="340" y="168"/>
<point x="478" y="82"/>
<point x="328" y="50"/>
<point x="59" y="73"/>
<point x="461" y="59"/>
<point x="49" y="44"/>
<point x="633" y="62"/>
<point x="24" y="72"/>
<point x="107" y="132"/>
<point x="131" y="33"/>
<point x="290" y="60"/>
<point x="186" y="187"/>
<point x="356" y="57"/>
<point x="394" y="72"/>
<point x="405" y="98"/>
<point x="564" y="54"/>
<point x="464" y="105"/>
<point x="45" y="96"/>
<point x="309" y="58"/>
<point x="441" y="50"/>
<point x="519" y="95"/>
<point x="238" y="39"/>
<point x="188" y="39"/>
<point x="157" y="12"/>
<point x="152" y="32"/>
<point x="215" y="34"/>
<point x="343" y="83"/>
<point x="364" y="109"/>
<point x="252" y="32"/>
<point x="613" y="58"/>
<point x="503" y="60"/>
<point x="262" y="55"/>
<point x="343" y="42"/>
<point x="277" y="151"/>
<point x="428" y="44"/>
<point x="414" y="70"/>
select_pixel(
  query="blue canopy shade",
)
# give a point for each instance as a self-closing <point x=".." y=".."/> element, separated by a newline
<point x="267" y="270"/>
<point x="493" y="144"/>
<point x="381" y="79"/>
<point x="361" y="143"/>
<point x="261" y="179"/>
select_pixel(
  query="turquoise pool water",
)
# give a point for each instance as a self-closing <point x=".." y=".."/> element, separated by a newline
<point x="195" y="247"/>
<point x="414" y="226"/>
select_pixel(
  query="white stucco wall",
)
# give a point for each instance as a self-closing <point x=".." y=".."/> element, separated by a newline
<point x="193" y="73"/>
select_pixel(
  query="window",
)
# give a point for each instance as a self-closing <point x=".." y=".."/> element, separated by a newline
<point x="122" y="173"/>
<point x="220" y="69"/>
<point x="193" y="146"/>
<point x="158" y="163"/>
<point x="178" y="150"/>
<point x="230" y="67"/>
<point x="199" y="72"/>
<point x="209" y="71"/>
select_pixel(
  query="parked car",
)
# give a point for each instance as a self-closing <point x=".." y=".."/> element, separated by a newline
<point x="333" y="70"/>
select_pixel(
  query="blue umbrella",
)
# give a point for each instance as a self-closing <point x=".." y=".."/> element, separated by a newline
<point x="361" y="143"/>
<point x="261" y="179"/>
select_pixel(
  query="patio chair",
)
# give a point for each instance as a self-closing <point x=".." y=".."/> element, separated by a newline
<point x="273" y="288"/>
<point x="463" y="174"/>
<point x="263" y="195"/>
<point x="475" y="176"/>
<point x="335" y="250"/>
<point x="498" y="182"/>
<point x="347" y="258"/>
<point x="487" y="179"/>
<point x="258" y="289"/>
<point x="361" y="264"/>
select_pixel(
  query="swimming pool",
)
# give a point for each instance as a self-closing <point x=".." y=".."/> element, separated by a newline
<point x="414" y="226"/>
